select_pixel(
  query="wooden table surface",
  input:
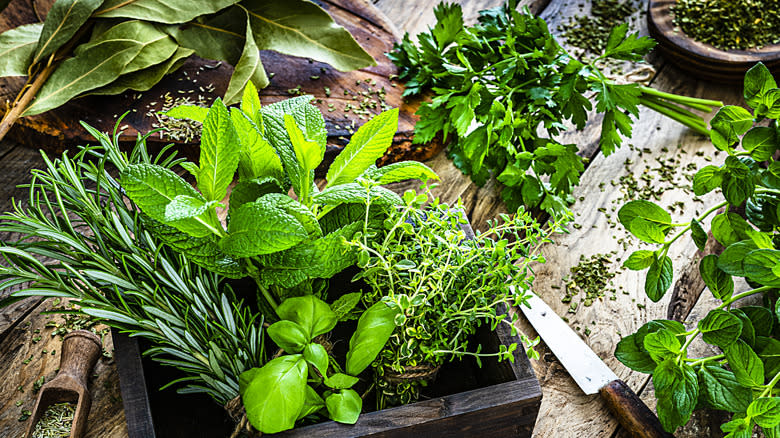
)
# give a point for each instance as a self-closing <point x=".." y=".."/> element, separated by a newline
<point x="28" y="351"/>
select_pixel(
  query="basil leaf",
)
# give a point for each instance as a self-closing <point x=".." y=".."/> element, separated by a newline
<point x="718" y="282"/>
<point x="313" y="314"/>
<point x="312" y="403"/>
<point x="721" y="390"/>
<point x="720" y="328"/>
<point x="659" y="278"/>
<point x="367" y="145"/>
<point x="373" y="330"/>
<point x="747" y="367"/>
<point x="289" y="336"/>
<point x="344" y="406"/>
<point x="275" y="395"/>
<point x="340" y="381"/>
<point x="316" y="355"/>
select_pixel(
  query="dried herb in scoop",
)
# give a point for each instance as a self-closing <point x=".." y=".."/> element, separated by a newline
<point x="729" y="24"/>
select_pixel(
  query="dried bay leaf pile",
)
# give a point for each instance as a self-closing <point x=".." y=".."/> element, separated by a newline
<point x="107" y="47"/>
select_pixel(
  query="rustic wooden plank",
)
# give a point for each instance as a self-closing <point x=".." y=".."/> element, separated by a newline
<point x="26" y="360"/>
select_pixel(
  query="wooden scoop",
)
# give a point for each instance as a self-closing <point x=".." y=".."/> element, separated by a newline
<point x="80" y="351"/>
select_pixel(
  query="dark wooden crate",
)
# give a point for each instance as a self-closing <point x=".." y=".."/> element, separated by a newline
<point x="504" y="404"/>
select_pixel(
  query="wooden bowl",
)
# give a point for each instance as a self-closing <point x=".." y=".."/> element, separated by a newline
<point x="703" y="60"/>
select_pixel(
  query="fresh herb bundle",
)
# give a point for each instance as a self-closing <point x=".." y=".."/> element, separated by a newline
<point x="445" y="284"/>
<point x="498" y="84"/>
<point x="742" y="379"/>
<point x="96" y="249"/>
<point x="107" y="47"/>
<point x="287" y="245"/>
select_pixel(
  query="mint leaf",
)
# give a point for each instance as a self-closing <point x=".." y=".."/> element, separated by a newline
<point x="763" y="266"/>
<point x="718" y="282"/>
<point x="251" y="190"/>
<point x="728" y="124"/>
<point x="758" y="81"/>
<point x="397" y="172"/>
<point x="729" y="228"/>
<point x="731" y="259"/>
<point x="677" y="389"/>
<point x="191" y="112"/>
<point x="344" y="305"/>
<point x="747" y="367"/>
<point x="634" y="355"/>
<point x="218" y="153"/>
<point x="707" y="179"/>
<point x="662" y="345"/>
<point x="659" y="278"/>
<point x="720" y="328"/>
<point x="153" y="187"/>
<point x="250" y="105"/>
<point x="367" y="145"/>
<point x="761" y="142"/>
<point x="645" y="210"/>
<point x="354" y="193"/>
<point x="186" y="207"/>
<point x="639" y="260"/>
<point x="309" y="153"/>
<point x="765" y="411"/>
<point x="698" y="234"/>
<point x="721" y="390"/>
<point x="260" y="228"/>
<point x="257" y="158"/>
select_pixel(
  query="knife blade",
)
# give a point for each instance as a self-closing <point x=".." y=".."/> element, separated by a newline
<point x="590" y="373"/>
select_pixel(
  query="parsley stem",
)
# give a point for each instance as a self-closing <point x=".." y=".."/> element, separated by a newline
<point x="681" y="99"/>
<point x="673" y="107"/>
<point x="675" y="115"/>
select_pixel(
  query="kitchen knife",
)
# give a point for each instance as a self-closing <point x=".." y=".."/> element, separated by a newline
<point x="591" y="374"/>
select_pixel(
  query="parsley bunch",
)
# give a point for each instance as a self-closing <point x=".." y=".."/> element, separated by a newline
<point x="743" y="378"/>
<point x="498" y="85"/>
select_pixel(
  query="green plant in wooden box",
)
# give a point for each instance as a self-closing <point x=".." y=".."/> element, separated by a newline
<point x="743" y="378"/>
<point x="444" y="283"/>
<point x="287" y="245"/>
<point x="107" y="47"/>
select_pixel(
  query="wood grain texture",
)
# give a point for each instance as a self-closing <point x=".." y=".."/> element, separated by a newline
<point x="59" y="129"/>
<point x="635" y="417"/>
<point x="702" y="60"/>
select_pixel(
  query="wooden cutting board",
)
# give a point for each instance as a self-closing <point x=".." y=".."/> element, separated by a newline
<point x="204" y="80"/>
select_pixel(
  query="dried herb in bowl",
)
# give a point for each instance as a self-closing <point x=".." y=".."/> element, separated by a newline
<point x="729" y="24"/>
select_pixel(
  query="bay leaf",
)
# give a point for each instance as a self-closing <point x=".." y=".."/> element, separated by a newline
<point x="158" y="46"/>
<point x="301" y="28"/>
<point x="145" y="79"/>
<point x="63" y="20"/>
<point x="16" y="49"/>
<point x="162" y="11"/>
<point x="96" y="66"/>
<point x="220" y="37"/>
<point x="248" y="68"/>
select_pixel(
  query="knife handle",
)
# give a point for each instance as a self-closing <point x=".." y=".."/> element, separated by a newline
<point x="631" y="411"/>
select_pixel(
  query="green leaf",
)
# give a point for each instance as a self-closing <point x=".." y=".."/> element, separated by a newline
<point x="251" y="190"/>
<point x="698" y="234"/>
<point x="763" y="266"/>
<point x="289" y="336"/>
<point x="677" y="390"/>
<point x="721" y="390"/>
<point x="296" y="210"/>
<point x="633" y="354"/>
<point x="161" y="11"/>
<point x="275" y="395"/>
<point x="16" y="49"/>
<point x="639" y="260"/>
<point x="353" y="193"/>
<point x="344" y="305"/>
<point x="152" y="188"/>
<point x="648" y="231"/>
<point x="95" y="67"/>
<point x="732" y="258"/>
<point x="312" y="403"/>
<point x="185" y="207"/>
<point x="746" y="365"/>
<point x="219" y="151"/>
<point x="308" y="153"/>
<point x="248" y="69"/>
<point x="219" y="37"/>
<point x="729" y="228"/>
<point x="301" y="28"/>
<point x="646" y="220"/>
<point x="736" y="190"/>
<point x="729" y="123"/>
<point x="659" y="278"/>
<point x="257" y="158"/>
<point x="761" y="142"/>
<point x="707" y="179"/>
<point x="344" y="406"/>
<point x="762" y="319"/>
<point x="250" y="105"/>
<point x="758" y="81"/>
<point x="720" y="328"/>
<point x="739" y="427"/>
<point x="316" y="355"/>
<point x="63" y="20"/>
<point x="631" y="48"/>
<point x="373" y="330"/>
<point x="748" y="332"/>
<point x="341" y="381"/>
<point x="367" y="145"/>
<point x="662" y="345"/>
<point x="191" y="112"/>
<point x="718" y="282"/>
<point x="145" y="79"/>
<point x="259" y="228"/>
<point x="313" y="314"/>
<point x="765" y="411"/>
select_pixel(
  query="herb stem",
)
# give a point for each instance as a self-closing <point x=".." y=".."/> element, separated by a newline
<point x="682" y="99"/>
<point x="771" y="385"/>
<point x="743" y="295"/>
<point x="695" y="362"/>
<point x="676" y="115"/>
